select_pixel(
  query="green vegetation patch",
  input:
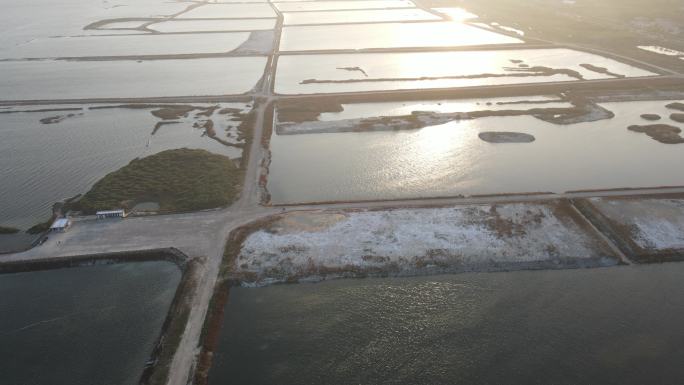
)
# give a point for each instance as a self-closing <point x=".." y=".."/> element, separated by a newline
<point x="179" y="180"/>
<point x="8" y="230"/>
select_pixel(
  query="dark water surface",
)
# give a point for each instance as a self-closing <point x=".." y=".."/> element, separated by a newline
<point x="620" y="325"/>
<point x="92" y="325"/>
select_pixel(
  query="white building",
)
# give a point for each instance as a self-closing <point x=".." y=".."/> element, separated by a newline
<point x="60" y="225"/>
<point x="110" y="214"/>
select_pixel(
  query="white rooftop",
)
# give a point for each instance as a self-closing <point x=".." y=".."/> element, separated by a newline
<point x="60" y="223"/>
<point x="107" y="212"/>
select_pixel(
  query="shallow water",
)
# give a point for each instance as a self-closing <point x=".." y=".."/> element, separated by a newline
<point x="222" y="11"/>
<point x="601" y="326"/>
<point x="451" y="159"/>
<point x="456" y="14"/>
<point x="213" y="25"/>
<point x="45" y="163"/>
<point x="411" y="68"/>
<point x="388" y="35"/>
<point x="83" y="326"/>
<point x="368" y="110"/>
<point x="55" y="80"/>
<point x="340" y="5"/>
<point x="130" y="45"/>
<point x="356" y="16"/>
<point x="23" y="21"/>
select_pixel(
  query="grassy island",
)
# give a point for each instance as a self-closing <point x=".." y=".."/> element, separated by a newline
<point x="178" y="180"/>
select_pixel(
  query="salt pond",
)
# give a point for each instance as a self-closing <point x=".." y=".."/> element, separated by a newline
<point x="129" y="45"/>
<point x="451" y="159"/>
<point x="335" y="5"/>
<point x="213" y="25"/>
<point x="308" y="74"/>
<point x="45" y="163"/>
<point x="608" y="326"/>
<point x="23" y="21"/>
<point x="388" y="35"/>
<point x="84" y="325"/>
<point x="356" y="16"/>
<point x="222" y="11"/>
<point x="39" y="80"/>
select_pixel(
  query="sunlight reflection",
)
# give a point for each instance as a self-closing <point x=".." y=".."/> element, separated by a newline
<point x="456" y="14"/>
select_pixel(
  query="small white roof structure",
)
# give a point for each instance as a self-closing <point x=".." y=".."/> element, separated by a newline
<point x="60" y="223"/>
<point x="110" y="212"/>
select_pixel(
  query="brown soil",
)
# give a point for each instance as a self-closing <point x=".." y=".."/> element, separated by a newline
<point x="352" y="69"/>
<point x="514" y="72"/>
<point x="56" y="119"/>
<point x="650" y="117"/>
<point x="172" y="112"/>
<point x="160" y="124"/>
<point x="601" y="70"/>
<point x="506" y="137"/>
<point x="226" y="111"/>
<point x="663" y="133"/>
<point x="296" y="111"/>
<point x="679" y="118"/>
<point x="8" y="230"/>
<point x="676" y="106"/>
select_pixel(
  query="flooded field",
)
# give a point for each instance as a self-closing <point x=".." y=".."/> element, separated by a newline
<point x="607" y="326"/>
<point x="130" y="45"/>
<point x="213" y="25"/>
<point x="84" y="325"/>
<point x="387" y="35"/>
<point x="340" y="5"/>
<point x="451" y="158"/>
<point x="53" y="155"/>
<point x="356" y="16"/>
<point x="309" y="74"/>
<point x="21" y="22"/>
<point x="223" y="11"/>
<point x="56" y="80"/>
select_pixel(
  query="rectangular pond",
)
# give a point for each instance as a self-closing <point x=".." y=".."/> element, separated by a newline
<point x="213" y="25"/>
<point x="325" y="73"/>
<point x="56" y="153"/>
<point x="94" y="325"/>
<point x="58" y="79"/>
<point x="129" y="45"/>
<point x="223" y="11"/>
<point x="23" y="21"/>
<point x="451" y="158"/>
<point x="388" y="35"/>
<point x="356" y="16"/>
<point x="341" y="5"/>
<point x="608" y="326"/>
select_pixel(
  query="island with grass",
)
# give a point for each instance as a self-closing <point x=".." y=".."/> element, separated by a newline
<point x="178" y="180"/>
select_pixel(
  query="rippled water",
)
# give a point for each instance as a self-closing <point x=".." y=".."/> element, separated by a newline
<point x="388" y="35"/>
<point x="288" y="6"/>
<point x="46" y="163"/>
<point x="451" y="159"/>
<point x="83" y="326"/>
<point x="59" y="80"/>
<point x="418" y="70"/>
<point x="357" y="16"/>
<point x="601" y="326"/>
